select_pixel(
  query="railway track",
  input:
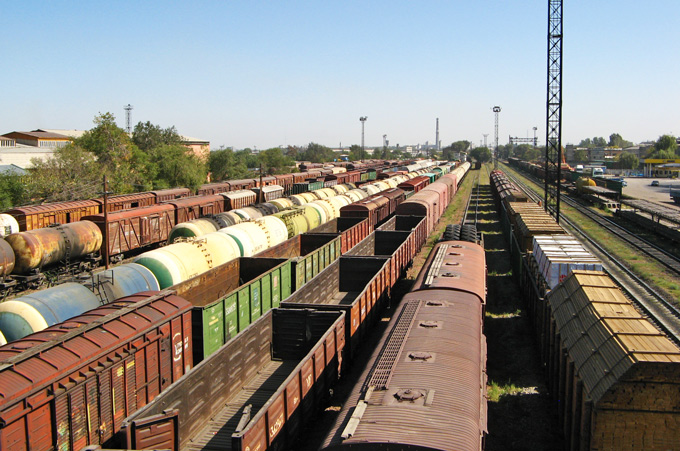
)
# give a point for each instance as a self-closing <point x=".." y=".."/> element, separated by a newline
<point x="660" y="309"/>
<point x="474" y="193"/>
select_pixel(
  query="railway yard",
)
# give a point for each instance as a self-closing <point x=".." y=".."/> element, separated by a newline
<point x="390" y="305"/>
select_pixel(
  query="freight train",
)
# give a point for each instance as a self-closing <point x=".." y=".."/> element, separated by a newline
<point x="611" y="373"/>
<point x="84" y="400"/>
<point x="76" y="247"/>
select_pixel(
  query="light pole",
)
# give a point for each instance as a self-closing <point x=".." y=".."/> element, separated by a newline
<point x="535" y="139"/>
<point x="363" y="121"/>
<point x="496" y="110"/>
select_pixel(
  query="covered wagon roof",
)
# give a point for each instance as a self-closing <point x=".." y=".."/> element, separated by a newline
<point x="603" y="332"/>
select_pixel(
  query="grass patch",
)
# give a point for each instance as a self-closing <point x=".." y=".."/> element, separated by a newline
<point x="496" y="391"/>
<point x="514" y="314"/>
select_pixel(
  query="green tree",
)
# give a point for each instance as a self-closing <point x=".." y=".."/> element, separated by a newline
<point x="178" y="165"/>
<point x="481" y="154"/>
<point x="356" y="153"/>
<point x="586" y="143"/>
<point x="13" y="191"/>
<point x="224" y="165"/>
<point x="628" y="161"/>
<point x="275" y="162"/>
<point x="615" y="140"/>
<point x="147" y="136"/>
<point x="316" y="153"/>
<point x="667" y="142"/>
<point x="581" y="155"/>
<point x="599" y="142"/>
<point x="71" y="173"/>
<point x="454" y="149"/>
<point x="117" y="156"/>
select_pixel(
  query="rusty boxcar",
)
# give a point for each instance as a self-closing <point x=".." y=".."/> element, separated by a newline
<point x="71" y="385"/>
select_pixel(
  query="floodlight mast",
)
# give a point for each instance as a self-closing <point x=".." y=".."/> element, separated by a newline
<point x="363" y="121"/>
<point x="496" y="110"/>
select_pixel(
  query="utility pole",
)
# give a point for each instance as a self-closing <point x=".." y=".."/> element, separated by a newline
<point x="363" y="121"/>
<point x="105" y="237"/>
<point x="553" y="140"/>
<point x="496" y="110"/>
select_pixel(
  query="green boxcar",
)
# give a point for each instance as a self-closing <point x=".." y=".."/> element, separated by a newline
<point x="228" y="298"/>
<point x="372" y="174"/>
<point x="432" y="175"/>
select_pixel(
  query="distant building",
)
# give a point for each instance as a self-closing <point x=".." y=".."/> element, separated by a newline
<point x="200" y="147"/>
<point x="39" y="138"/>
<point x="11" y="169"/>
<point x="21" y="155"/>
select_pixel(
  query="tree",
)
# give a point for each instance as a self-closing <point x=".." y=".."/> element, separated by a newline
<point x="356" y="153"/>
<point x="615" y="140"/>
<point x="455" y="149"/>
<point x="147" y="136"/>
<point x="628" y="161"/>
<point x="71" y="173"/>
<point x="224" y="165"/>
<point x="178" y="165"/>
<point x="117" y="156"/>
<point x="581" y="155"/>
<point x="481" y="154"/>
<point x="13" y="191"/>
<point x="316" y="153"/>
<point x="275" y="162"/>
<point x="667" y="142"/>
<point x="599" y="142"/>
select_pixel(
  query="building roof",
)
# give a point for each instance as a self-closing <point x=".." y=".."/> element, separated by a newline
<point x="37" y="134"/>
<point x="11" y="169"/>
<point x="69" y="133"/>
<point x="192" y="140"/>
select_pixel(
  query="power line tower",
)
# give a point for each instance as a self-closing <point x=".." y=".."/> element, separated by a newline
<point x="553" y="141"/>
<point x="128" y="123"/>
<point x="496" y="110"/>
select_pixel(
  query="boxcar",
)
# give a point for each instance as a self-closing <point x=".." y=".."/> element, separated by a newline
<point x="256" y="392"/>
<point x="130" y="230"/>
<point x="38" y="216"/>
<point x="426" y="384"/>
<point x="213" y="188"/>
<point x="196" y="207"/>
<point x="170" y="194"/>
<point x="128" y="201"/>
<point x="71" y="385"/>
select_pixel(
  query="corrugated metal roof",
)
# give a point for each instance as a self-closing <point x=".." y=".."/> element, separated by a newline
<point x="603" y="333"/>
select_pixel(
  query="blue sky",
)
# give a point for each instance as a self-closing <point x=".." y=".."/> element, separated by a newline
<point x="265" y="73"/>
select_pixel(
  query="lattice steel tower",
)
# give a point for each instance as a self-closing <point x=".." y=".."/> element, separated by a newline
<point x="553" y="141"/>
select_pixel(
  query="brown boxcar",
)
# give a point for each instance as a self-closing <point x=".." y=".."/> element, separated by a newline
<point x="358" y="286"/>
<point x="442" y="190"/>
<point x="196" y="207"/>
<point x="130" y="230"/>
<point x="71" y="385"/>
<point x="38" y="216"/>
<point x="170" y="194"/>
<point x="256" y="392"/>
<point x="425" y="204"/>
<point x="241" y="184"/>
<point x="213" y="188"/>
<point x="285" y="180"/>
<point x="374" y="208"/>
<point x="426" y="384"/>
<point x="415" y="184"/>
<point x="128" y="201"/>
<point x="238" y="199"/>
